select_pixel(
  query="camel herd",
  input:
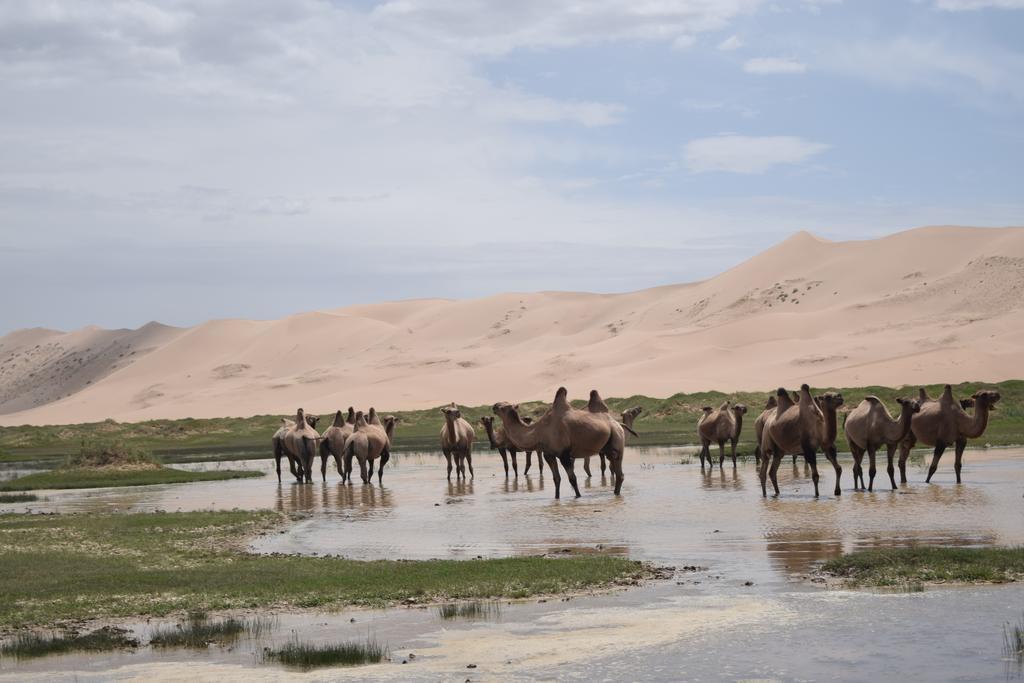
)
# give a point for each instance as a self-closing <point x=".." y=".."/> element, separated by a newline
<point x="796" y="424"/>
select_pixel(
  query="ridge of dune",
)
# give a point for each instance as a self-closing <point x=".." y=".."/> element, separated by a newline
<point x="928" y="305"/>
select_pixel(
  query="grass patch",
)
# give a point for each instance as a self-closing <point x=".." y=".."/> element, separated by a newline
<point x="29" y="645"/>
<point x="198" y="631"/>
<point x="307" y="656"/>
<point x="671" y="420"/>
<point x="1013" y="642"/>
<point x="918" y="565"/>
<point x="18" y="497"/>
<point x="89" y="479"/>
<point x="118" y="565"/>
<point x="472" y="611"/>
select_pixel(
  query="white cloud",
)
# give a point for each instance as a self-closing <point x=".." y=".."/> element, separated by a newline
<point x="490" y="27"/>
<point x="773" y="65"/>
<point x="731" y="43"/>
<point x="743" y="154"/>
<point x="968" y="5"/>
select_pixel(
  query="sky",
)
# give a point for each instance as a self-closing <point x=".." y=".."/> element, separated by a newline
<point x="183" y="160"/>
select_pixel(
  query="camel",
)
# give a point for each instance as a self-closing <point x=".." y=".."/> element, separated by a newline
<point x="332" y="441"/>
<point x="457" y="438"/>
<point x="279" y="447"/>
<point x="805" y="426"/>
<point x="869" y="426"/>
<point x="720" y="426"/>
<point x="366" y="443"/>
<point x="943" y="422"/>
<point x="500" y="442"/>
<point x="299" y="443"/>
<point x="628" y="417"/>
<point x="566" y="433"/>
<point x="769" y="407"/>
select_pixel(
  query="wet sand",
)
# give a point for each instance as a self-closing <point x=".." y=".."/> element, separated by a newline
<point x="705" y="624"/>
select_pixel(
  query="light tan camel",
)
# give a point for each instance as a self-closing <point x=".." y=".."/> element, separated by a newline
<point x="300" y="442"/>
<point x="628" y="417"/>
<point x="719" y="426"/>
<point x="803" y="427"/>
<point x="332" y="441"/>
<point x="280" y="450"/>
<point x="457" y="438"/>
<point x="869" y="426"/>
<point x="565" y="433"/>
<point x="942" y="423"/>
<point x="499" y="441"/>
<point x="367" y="443"/>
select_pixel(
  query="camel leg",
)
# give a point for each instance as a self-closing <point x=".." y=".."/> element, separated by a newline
<point x="961" y="444"/>
<point x="871" y="470"/>
<point x="469" y="462"/>
<point x="529" y="458"/>
<point x="362" y="471"/>
<point x="762" y="473"/>
<point x="323" y="466"/>
<point x="858" y="471"/>
<point x="504" y="459"/>
<point x="905" y="447"/>
<point x="348" y="467"/>
<point x="757" y="456"/>
<point x="570" y="471"/>
<point x="603" y="462"/>
<point x="890" y="450"/>
<point x="553" y="466"/>
<point x="277" y="460"/>
<point x="705" y="452"/>
<point x="811" y="458"/>
<point x="733" y="444"/>
<point x="940" y="448"/>
<point x="774" y="471"/>
<point x="586" y="466"/>
<point x="721" y="453"/>
<point x="385" y="455"/>
<point x="616" y="467"/>
<point x="448" y="457"/>
<point x="833" y="458"/>
<point x="515" y="465"/>
<point x="308" y="455"/>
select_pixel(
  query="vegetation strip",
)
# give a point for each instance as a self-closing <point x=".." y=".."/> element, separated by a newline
<point x="90" y="479"/>
<point x="18" y="497"/>
<point x="307" y="656"/>
<point x="111" y="565"/>
<point x="198" y="631"/>
<point x="664" y="420"/>
<point x="30" y="644"/>
<point x="901" y="567"/>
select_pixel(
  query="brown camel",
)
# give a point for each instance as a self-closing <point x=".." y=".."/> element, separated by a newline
<point x="719" y="426"/>
<point x="769" y="407"/>
<point x="457" y="438"/>
<point x="566" y="433"/>
<point x="943" y="422"/>
<point x="802" y="426"/>
<point x="300" y="442"/>
<point x="332" y="441"/>
<point x="367" y="443"/>
<point x="499" y="441"/>
<point x="628" y="417"/>
<point x="869" y="426"/>
<point x="279" y="446"/>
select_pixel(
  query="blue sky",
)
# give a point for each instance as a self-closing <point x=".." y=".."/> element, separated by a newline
<point x="184" y="160"/>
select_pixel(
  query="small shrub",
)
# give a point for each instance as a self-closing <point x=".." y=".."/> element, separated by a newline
<point x="96" y="454"/>
<point x="198" y="632"/>
<point x="470" y="610"/>
<point x="31" y="644"/>
<point x="307" y="656"/>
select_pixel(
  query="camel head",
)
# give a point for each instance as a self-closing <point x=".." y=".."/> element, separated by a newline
<point x="707" y="409"/>
<point x="488" y="422"/>
<point x="739" y="409"/>
<point x="966" y="403"/>
<point x="772" y="402"/>
<point x="632" y="413"/>
<point x="986" y="398"/>
<point x="830" y="399"/>
<point x="910" y="405"/>
<point x="527" y="420"/>
<point x="389" y="425"/>
<point x="451" y="413"/>
<point x="311" y="420"/>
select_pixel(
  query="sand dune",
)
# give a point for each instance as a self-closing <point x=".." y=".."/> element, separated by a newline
<point x="928" y="305"/>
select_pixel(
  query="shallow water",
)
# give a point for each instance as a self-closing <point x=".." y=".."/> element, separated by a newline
<point x="671" y="513"/>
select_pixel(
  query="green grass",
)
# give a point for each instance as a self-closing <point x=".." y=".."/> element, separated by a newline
<point x="28" y="645"/>
<point x="111" y="565"/>
<point x="87" y="479"/>
<point x="669" y="420"/>
<point x="306" y="656"/>
<point x="928" y="564"/>
<point x="198" y="631"/>
<point x="18" y="497"/>
<point x="1013" y="642"/>
<point x="470" y="610"/>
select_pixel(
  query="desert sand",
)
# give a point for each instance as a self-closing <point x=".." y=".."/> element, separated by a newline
<point x="935" y="304"/>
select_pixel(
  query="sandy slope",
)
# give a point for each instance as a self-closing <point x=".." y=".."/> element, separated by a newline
<point x="928" y="305"/>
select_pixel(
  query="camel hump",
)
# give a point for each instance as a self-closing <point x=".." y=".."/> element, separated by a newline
<point x="783" y="400"/>
<point x="338" y="420"/>
<point x="596" y="404"/>
<point x="922" y="394"/>
<point x="874" y="400"/>
<point x="947" y="393"/>
<point x="561" y="398"/>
